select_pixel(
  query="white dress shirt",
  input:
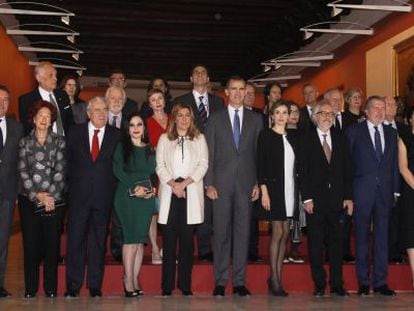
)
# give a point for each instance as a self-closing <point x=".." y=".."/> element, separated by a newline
<point x="91" y="130"/>
<point x="328" y="137"/>
<point x="118" y="119"/>
<point x="232" y="111"/>
<point x="46" y="97"/>
<point x="372" y="134"/>
<point x="181" y="159"/>
<point x="3" y="129"/>
<point x="205" y="100"/>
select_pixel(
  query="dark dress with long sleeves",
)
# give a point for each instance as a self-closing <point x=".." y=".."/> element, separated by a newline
<point x="407" y="198"/>
<point x="349" y="118"/>
<point x="134" y="213"/>
<point x="271" y="172"/>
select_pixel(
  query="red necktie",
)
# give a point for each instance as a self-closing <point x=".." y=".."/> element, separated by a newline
<point x="95" y="145"/>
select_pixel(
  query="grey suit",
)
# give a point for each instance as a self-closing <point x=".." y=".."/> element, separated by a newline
<point x="232" y="172"/>
<point x="8" y="187"/>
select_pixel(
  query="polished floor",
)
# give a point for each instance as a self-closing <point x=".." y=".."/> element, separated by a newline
<point x="295" y="301"/>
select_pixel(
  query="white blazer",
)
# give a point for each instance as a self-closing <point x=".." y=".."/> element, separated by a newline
<point x="195" y="191"/>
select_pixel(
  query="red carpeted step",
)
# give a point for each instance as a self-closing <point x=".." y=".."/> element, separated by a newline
<point x="296" y="278"/>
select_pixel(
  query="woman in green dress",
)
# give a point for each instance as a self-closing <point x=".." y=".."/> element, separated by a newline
<point x="134" y="163"/>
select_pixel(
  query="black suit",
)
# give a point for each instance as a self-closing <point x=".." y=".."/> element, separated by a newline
<point x="215" y="103"/>
<point x="327" y="185"/>
<point x="62" y="100"/>
<point x="8" y="187"/>
<point x="305" y="122"/>
<point x="91" y="188"/>
<point x="204" y="230"/>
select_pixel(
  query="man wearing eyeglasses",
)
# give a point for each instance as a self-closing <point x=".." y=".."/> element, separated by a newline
<point x="118" y="78"/>
<point x="326" y="187"/>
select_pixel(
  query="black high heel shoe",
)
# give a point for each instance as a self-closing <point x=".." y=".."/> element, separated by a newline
<point x="132" y="294"/>
<point x="274" y="289"/>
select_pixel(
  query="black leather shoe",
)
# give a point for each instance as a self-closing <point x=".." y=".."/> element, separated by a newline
<point x="206" y="257"/>
<point x="61" y="260"/>
<point x="241" y="290"/>
<point x="385" y="290"/>
<point x="187" y="293"/>
<point x="4" y="293"/>
<point x="219" y="291"/>
<point x="51" y="294"/>
<point x="339" y="291"/>
<point x="348" y="259"/>
<point x="319" y="292"/>
<point x="166" y="293"/>
<point x="94" y="292"/>
<point x="117" y="258"/>
<point x="72" y="293"/>
<point x="29" y="295"/>
<point x="363" y="290"/>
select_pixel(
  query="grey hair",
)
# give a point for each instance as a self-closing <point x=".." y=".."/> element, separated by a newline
<point x="111" y="88"/>
<point x="371" y="99"/>
<point x="329" y="93"/>
<point x="39" y="67"/>
<point x="319" y="105"/>
<point x="96" y="99"/>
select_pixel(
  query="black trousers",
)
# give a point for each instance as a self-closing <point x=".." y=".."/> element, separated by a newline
<point x="177" y="230"/>
<point x="116" y="238"/>
<point x="320" y="224"/>
<point x="40" y="242"/>
<point x="204" y="231"/>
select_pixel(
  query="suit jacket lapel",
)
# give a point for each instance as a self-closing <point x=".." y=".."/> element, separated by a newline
<point x="105" y="142"/>
<point x="244" y="127"/>
<point x="317" y="141"/>
<point x="84" y="140"/>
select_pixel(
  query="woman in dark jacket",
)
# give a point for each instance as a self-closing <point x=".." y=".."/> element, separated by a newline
<point x="41" y="167"/>
<point x="277" y="180"/>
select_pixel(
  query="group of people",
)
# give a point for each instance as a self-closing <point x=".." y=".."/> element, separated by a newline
<point x="198" y="167"/>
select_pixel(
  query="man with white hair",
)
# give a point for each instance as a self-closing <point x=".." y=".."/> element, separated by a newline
<point x="46" y="76"/>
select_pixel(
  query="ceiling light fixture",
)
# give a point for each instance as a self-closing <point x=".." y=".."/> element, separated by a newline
<point x="65" y="64"/>
<point x="44" y="47"/>
<point x="338" y="7"/>
<point x="280" y="78"/>
<point x="69" y="33"/>
<point x="362" y="30"/>
<point x="64" y="14"/>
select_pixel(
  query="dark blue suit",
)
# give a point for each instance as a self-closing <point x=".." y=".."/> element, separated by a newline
<point x="375" y="183"/>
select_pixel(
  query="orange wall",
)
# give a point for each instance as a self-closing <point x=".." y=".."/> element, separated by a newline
<point x="15" y="71"/>
<point x="348" y="69"/>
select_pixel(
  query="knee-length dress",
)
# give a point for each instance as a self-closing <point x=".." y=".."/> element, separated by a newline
<point x="407" y="198"/>
<point x="134" y="213"/>
<point x="276" y="169"/>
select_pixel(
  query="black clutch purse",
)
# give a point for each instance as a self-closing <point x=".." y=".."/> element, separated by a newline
<point x="40" y="209"/>
<point x="145" y="183"/>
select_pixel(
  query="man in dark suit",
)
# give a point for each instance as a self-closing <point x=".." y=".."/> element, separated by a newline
<point x="248" y="103"/>
<point x="231" y="183"/>
<point x="374" y="156"/>
<point x="10" y="134"/>
<point x="45" y="74"/>
<point x="92" y="185"/>
<point x="118" y="78"/>
<point x="394" y="250"/>
<point x="326" y="187"/>
<point x="310" y="96"/>
<point x="204" y="105"/>
<point x="116" y="98"/>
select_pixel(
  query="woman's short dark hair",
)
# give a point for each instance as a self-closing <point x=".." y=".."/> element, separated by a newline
<point x="268" y="87"/>
<point x="154" y="91"/>
<point x="34" y="109"/>
<point x="280" y="102"/>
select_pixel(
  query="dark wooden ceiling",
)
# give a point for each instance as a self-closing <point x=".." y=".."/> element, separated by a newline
<point x="146" y="38"/>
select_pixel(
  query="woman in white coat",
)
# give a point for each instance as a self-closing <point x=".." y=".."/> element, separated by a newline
<point x="182" y="162"/>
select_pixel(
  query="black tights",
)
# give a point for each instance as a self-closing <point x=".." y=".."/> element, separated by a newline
<point x="280" y="232"/>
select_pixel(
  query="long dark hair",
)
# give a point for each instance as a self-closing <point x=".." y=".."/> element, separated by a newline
<point x="127" y="145"/>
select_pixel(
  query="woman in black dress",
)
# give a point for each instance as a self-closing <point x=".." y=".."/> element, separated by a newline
<point x="353" y="107"/>
<point x="406" y="164"/>
<point x="276" y="177"/>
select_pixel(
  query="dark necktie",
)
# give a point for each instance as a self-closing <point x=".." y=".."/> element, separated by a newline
<point x="378" y="145"/>
<point x="202" y="111"/>
<point x="337" y="122"/>
<point x="326" y="149"/>
<point x="59" y="123"/>
<point x="95" y="145"/>
<point x="236" y="128"/>
<point x="114" y="121"/>
<point x="1" y="138"/>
